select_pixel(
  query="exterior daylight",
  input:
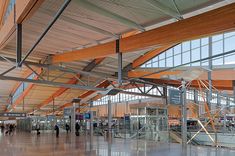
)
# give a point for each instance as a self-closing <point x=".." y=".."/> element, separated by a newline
<point x="117" y="77"/>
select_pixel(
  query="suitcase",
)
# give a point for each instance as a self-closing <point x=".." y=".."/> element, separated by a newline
<point x="77" y="133"/>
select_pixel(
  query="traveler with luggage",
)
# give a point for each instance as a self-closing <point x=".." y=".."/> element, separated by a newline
<point x="77" y="127"/>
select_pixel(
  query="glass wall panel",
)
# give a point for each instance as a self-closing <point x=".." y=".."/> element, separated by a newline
<point x="217" y="47"/>
<point x="169" y="62"/>
<point x="186" y="57"/>
<point x="229" y="43"/>
<point x="177" y="60"/>
<point x="195" y="43"/>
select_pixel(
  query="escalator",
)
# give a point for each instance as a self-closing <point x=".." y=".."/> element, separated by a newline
<point x="176" y="136"/>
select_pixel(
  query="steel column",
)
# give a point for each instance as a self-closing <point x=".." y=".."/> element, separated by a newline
<point x="165" y="92"/>
<point x="73" y="118"/>
<point x="18" y="44"/>
<point x="228" y="103"/>
<point x="195" y="97"/>
<point x="234" y="91"/>
<point x="109" y="116"/>
<point x="209" y="95"/>
<point x="91" y="118"/>
<point x="209" y="72"/>
<point x="119" y="62"/>
<point x="183" y="115"/>
<point x="53" y="105"/>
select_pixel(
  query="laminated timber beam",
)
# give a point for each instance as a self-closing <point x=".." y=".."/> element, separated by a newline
<point x="23" y="9"/>
<point x="3" y="8"/>
<point x="219" y="74"/>
<point x="103" y="84"/>
<point x="218" y="84"/>
<point x="149" y="55"/>
<point x="24" y="93"/>
<point x="137" y="62"/>
<point x="139" y="74"/>
<point x="73" y="80"/>
<point x="89" y="68"/>
<point x="209" y="23"/>
<point x="57" y="93"/>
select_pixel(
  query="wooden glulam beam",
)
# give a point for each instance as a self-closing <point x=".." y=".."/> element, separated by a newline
<point x="23" y="9"/>
<point x="25" y="92"/>
<point x="98" y="51"/>
<point x="218" y="84"/>
<point x="107" y="83"/>
<point x="103" y="84"/>
<point x="219" y="74"/>
<point x="57" y="93"/>
<point x="26" y="8"/>
<point x="3" y="8"/>
<point x="149" y="55"/>
<point x="140" y="74"/>
<point x="209" y="23"/>
<point x="25" y="75"/>
<point x="73" y="80"/>
<point x="139" y="61"/>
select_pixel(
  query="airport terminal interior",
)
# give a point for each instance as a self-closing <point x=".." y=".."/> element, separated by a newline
<point x="117" y="77"/>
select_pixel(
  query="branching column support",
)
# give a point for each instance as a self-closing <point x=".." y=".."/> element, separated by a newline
<point x="119" y="62"/>
<point x="18" y="44"/>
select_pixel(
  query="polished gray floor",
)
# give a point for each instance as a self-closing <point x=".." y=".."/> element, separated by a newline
<point x="26" y="144"/>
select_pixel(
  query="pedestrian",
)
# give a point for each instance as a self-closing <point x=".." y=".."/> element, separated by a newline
<point x="67" y="128"/>
<point x="57" y="130"/>
<point x="11" y="127"/>
<point x="77" y="127"/>
<point x="38" y="128"/>
<point x="2" y="128"/>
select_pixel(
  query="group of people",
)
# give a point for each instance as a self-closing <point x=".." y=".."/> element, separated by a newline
<point x="57" y="129"/>
<point x="77" y="128"/>
<point x="67" y="127"/>
<point x="9" y="129"/>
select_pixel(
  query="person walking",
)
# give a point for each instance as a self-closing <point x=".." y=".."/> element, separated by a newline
<point x="11" y="128"/>
<point x="67" y="128"/>
<point x="38" y="128"/>
<point x="57" y="130"/>
<point x="77" y="127"/>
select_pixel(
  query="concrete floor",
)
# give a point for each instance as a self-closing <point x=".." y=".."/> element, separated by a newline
<point x="26" y="144"/>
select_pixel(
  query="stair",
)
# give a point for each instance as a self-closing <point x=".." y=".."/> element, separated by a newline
<point x="177" y="137"/>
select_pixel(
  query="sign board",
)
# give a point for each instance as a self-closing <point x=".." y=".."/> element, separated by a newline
<point x="50" y="117"/>
<point x="87" y="115"/>
<point x="67" y="111"/>
<point x="80" y="117"/>
<point x="174" y="97"/>
<point x="13" y="114"/>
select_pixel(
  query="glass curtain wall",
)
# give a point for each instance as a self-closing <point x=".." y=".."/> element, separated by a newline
<point x="193" y="50"/>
